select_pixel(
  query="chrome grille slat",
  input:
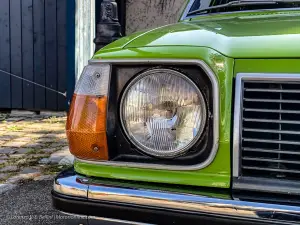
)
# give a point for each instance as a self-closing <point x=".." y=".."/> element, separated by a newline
<point x="271" y="90"/>
<point x="269" y="125"/>
<point x="270" y="160"/>
<point x="271" y="141"/>
<point x="272" y="131"/>
<point x="270" y="169"/>
<point x="271" y="151"/>
<point x="272" y="100"/>
<point x="272" y="111"/>
<point x="271" y="121"/>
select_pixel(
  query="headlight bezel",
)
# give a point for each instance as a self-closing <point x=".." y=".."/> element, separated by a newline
<point x="119" y="78"/>
<point x="144" y="149"/>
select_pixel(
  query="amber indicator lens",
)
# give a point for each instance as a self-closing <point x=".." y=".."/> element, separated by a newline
<point x="163" y="113"/>
<point x="86" y="123"/>
<point x="86" y="128"/>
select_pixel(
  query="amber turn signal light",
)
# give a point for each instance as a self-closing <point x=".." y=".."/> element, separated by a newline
<point x="86" y="123"/>
<point x="86" y="128"/>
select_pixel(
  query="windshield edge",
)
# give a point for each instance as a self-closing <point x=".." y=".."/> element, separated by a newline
<point x="186" y="10"/>
<point x="191" y="2"/>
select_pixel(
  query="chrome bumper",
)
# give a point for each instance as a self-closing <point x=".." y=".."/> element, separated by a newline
<point x="74" y="185"/>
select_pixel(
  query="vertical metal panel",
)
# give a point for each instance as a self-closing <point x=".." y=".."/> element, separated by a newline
<point x="27" y="53"/>
<point x="39" y="53"/>
<point x="61" y="51"/>
<point x="5" y="100"/>
<point x="51" y="53"/>
<point x="16" y="53"/>
<point x="84" y="34"/>
<point x="92" y="31"/>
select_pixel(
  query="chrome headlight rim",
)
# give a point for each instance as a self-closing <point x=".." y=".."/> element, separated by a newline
<point x="156" y="153"/>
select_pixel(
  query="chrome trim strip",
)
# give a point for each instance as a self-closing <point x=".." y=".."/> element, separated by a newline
<point x="236" y="126"/>
<point x="187" y="10"/>
<point x="113" y="221"/>
<point x="216" y="112"/>
<point x="99" y="191"/>
<point x="69" y="185"/>
<point x="240" y="77"/>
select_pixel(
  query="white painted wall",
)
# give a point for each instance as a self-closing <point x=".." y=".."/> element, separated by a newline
<point x="144" y="14"/>
<point x="84" y="34"/>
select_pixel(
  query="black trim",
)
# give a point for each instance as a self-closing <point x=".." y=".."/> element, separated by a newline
<point x="120" y="147"/>
<point x="266" y="190"/>
<point x="231" y="128"/>
<point x="144" y="214"/>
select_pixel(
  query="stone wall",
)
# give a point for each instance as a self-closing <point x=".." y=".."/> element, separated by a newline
<point x="144" y="14"/>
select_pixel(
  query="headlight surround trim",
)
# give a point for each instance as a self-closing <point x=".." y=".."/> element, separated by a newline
<point x="215" y="114"/>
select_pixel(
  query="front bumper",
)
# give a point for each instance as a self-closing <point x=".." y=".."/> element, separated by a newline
<point x="73" y="193"/>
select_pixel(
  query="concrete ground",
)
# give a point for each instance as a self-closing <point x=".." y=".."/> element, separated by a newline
<point x="29" y="204"/>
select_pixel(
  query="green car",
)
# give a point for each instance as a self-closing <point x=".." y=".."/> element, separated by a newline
<point x="196" y="122"/>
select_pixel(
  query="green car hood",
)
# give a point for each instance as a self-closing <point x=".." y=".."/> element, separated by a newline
<point x="256" y="35"/>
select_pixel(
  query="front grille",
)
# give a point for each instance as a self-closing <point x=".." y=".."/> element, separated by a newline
<point x="270" y="129"/>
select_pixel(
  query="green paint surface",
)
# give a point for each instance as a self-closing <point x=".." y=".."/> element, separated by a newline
<point x="228" y="44"/>
<point x="268" y="34"/>
<point x="267" y="65"/>
<point x="217" y="174"/>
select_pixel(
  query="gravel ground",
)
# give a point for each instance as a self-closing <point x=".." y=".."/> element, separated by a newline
<point x="32" y="146"/>
<point x="30" y="204"/>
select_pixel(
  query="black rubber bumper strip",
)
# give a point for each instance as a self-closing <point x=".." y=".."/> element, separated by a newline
<point x="143" y="214"/>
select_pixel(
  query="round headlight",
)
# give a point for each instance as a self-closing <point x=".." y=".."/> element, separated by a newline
<point x="163" y="113"/>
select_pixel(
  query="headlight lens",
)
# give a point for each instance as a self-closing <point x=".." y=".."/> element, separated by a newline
<point x="163" y="113"/>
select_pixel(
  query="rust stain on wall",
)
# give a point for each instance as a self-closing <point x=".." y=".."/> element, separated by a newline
<point x="145" y="14"/>
<point x="164" y="4"/>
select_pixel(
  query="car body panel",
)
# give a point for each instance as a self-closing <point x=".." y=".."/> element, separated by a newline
<point x="265" y="41"/>
<point x="217" y="174"/>
<point x="247" y="35"/>
<point x="223" y="41"/>
<point x="267" y="66"/>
